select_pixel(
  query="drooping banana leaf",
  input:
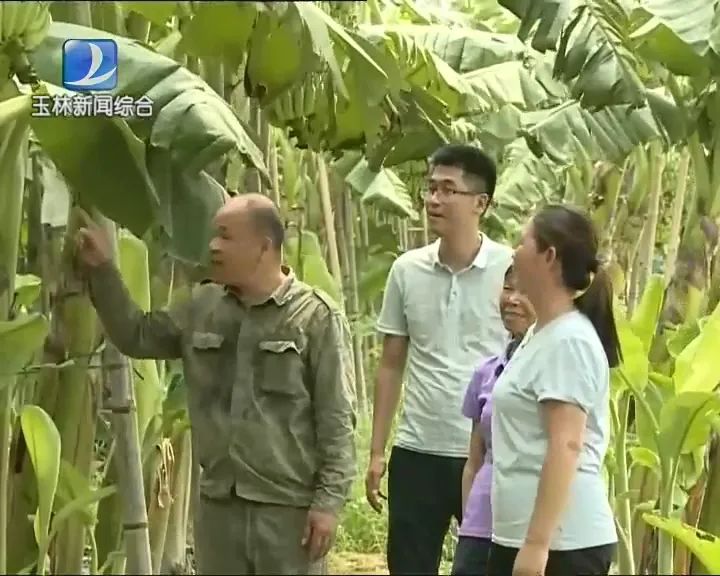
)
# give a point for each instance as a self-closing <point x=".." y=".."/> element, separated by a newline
<point x="595" y="54"/>
<point x="190" y="122"/>
<point x="608" y="134"/>
<point x="550" y="15"/>
<point x="383" y="189"/>
<point x="464" y="49"/>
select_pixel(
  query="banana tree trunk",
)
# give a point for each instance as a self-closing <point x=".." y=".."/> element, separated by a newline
<point x="646" y="251"/>
<point x="354" y="298"/>
<point x="691" y="515"/>
<point x="623" y="513"/>
<point x="13" y="164"/>
<point x="613" y="180"/>
<point x="128" y="461"/>
<point x="272" y="157"/>
<point x="22" y="548"/>
<point x="214" y="75"/>
<point x="127" y="456"/>
<point x="175" y="554"/>
<point x="677" y="215"/>
<point x="75" y="410"/>
<point x="160" y="501"/>
<point x="686" y="300"/>
<point x="365" y="249"/>
<point x="329" y="223"/>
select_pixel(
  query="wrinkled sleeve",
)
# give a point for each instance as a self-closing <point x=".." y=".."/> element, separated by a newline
<point x="471" y="406"/>
<point x="335" y="412"/>
<point x="137" y="334"/>
<point x="572" y="373"/>
<point x="391" y="319"/>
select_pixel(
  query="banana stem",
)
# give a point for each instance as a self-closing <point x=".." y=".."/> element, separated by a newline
<point x="13" y="145"/>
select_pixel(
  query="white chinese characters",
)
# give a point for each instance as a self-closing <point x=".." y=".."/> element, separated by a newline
<point x="89" y="105"/>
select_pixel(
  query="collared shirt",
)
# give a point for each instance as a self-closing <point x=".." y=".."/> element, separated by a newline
<point x="453" y="321"/>
<point x="271" y="388"/>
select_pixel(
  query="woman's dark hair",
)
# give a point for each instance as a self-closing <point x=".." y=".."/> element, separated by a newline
<point x="572" y="234"/>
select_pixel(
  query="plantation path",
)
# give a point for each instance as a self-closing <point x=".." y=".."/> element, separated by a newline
<point x="357" y="563"/>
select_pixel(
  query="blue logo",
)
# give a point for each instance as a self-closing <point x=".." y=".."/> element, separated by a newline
<point x="89" y="65"/>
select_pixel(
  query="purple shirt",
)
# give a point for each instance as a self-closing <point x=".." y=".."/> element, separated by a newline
<point x="477" y="516"/>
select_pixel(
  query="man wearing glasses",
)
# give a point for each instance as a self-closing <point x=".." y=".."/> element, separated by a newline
<point x="440" y="314"/>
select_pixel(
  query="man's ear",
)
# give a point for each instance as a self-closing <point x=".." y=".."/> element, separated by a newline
<point x="482" y="203"/>
<point x="551" y="255"/>
<point x="267" y="244"/>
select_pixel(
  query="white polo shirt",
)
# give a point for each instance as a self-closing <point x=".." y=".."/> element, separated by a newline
<point x="453" y="323"/>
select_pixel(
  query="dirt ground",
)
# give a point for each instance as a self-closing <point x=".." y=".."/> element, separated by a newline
<point x="356" y="563"/>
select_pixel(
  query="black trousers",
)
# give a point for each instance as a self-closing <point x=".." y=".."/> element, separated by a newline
<point x="471" y="556"/>
<point x="424" y="493"/>
<point x="593" y="561"/>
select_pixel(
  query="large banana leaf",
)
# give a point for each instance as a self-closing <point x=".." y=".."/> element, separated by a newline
<point x="102" y="161"/>
<point x="188" y="201"/>
<point x="692" y="21"/>
<point x="191" y="127"/>
<point x="181" y="99"/>
<point x="382" y="188"/>
<point x="564" y="132"/>
<point x="678" y="36"/>
<point x="423" y="69"/>
<point x="597" y="56"/>
<point x="464" y="49"/>
<point x="525" y="183"/>
<point x="549" y="15"/>
<point x="305" y="256"/>
<point x="510" y="83"/>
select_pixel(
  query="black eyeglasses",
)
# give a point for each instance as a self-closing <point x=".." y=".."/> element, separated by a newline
<point x="446" y="191"/>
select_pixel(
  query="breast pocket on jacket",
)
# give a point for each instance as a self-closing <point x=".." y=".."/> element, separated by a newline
<point x="207" y="359"/>
<point x="280" y="367"/>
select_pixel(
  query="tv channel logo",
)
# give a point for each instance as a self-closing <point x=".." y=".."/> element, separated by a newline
<point x="89" y="65"/>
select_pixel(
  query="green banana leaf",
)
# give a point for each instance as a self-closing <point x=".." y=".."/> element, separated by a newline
<point x="190" y="128"/>
<point x="464" y="49"/>
<point x="549" y="15"/>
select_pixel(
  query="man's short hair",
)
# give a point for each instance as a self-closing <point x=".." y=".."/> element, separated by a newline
<point x="470" y="160"/>
<point x="269" y="222"/>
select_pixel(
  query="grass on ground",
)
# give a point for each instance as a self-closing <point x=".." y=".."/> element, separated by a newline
<point x="362" y="533"/>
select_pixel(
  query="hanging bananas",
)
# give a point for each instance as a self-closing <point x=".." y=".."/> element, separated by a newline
<point x="24" y="23"/>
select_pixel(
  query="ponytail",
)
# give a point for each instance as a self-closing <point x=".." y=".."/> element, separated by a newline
<point x="596" y="302"/>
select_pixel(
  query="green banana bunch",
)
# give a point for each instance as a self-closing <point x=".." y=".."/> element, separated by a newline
<point x="297" y="102"/>
<point x="25" y="23"/>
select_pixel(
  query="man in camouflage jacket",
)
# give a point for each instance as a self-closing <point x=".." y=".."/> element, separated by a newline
<point x="271" y="392"/>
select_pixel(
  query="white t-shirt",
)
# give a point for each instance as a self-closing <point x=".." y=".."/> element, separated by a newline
<point x="565" y="360"/>
<point x="453" y="322"/>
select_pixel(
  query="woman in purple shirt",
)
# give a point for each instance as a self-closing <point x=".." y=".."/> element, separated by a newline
<point x="476" y="529"/>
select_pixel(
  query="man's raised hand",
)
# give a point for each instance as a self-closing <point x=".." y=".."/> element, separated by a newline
<point x="91" y="242"/>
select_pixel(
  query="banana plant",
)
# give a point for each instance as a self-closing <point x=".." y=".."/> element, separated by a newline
<point x="663" y="445"/>
<point x="23" y="26"/>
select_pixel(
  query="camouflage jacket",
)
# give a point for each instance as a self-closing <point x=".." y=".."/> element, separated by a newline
<point x="271" y="388"/>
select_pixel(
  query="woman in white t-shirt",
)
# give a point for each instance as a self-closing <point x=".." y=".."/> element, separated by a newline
<point x="550" y="422"/>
